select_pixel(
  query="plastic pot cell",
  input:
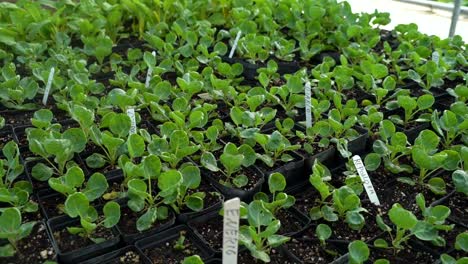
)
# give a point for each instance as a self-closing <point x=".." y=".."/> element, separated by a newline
<point x="73" y="248"/>
<point x="128" y="255"/>
<point x="231" y="192"/>
<point x="173" y="245"/>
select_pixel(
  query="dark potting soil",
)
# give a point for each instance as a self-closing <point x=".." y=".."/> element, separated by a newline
<point x="276" y="258"/>
<point x="36" y="248"/>
<point x="129" y="227"/>
<point x="53" y="205"/>
<point x="305" y="200"/>
<point x="212" y="231"/>
<point x="311" y="251"/>
<point x="5" y="137"/>
<point x="17" y="118"/>
<point x="405" y="195"/>
<point x="127" y="257"/>
<point x="165" y="253"/>
<point x="401" y="256"/>
<point x="289" y="223"/>
<point x="457" y="203"/>
<point x="68" y="242"/>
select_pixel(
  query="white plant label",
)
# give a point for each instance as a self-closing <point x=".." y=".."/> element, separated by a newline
<point x="150" y="72"/>
<point x="361" y="169"/>
<point x="435" y="57"/>
<point x="233" y="49"/>
<point x="308" y="95"/>
<point x="48" y="85"/>
<point x="231" y="230"/>
<point x="131" y="114"/>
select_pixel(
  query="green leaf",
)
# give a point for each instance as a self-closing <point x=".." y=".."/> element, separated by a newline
<point x="425" y="101"/>
<point x="380" y="243"/>
<point x="258" y="215"/>
<point x="169" y="180"/>
<point x="323" y="232"/>
<point x="402" y="218"/>
<point x="152" y="166"/>
<point x="10" y="222"/>
<point x="240" y="180"/>
<point x="191" y="176"/>
<point x="194" y="202"/>
<point x="41" y="172"/>
<point x="7" y="250"/>
<point x="462" y="242"/>
<point x="136" y="146"/>
<point x="372" y="161"/>
<point x="460" y="180"/>
<point x="145" y="221"/>
<point x="276" y="182"/>
<point x="96" y="161"/>
<point x="96" y="186"/>
<point x="277" y="240"/>
<point x="358" y="251"/>
<point x="437" y="185"/>
<point x="77" y="205"/>
<point x="193" y="260"/>
<point x="120" y="125"/>
<point x="425" y="231"/>
<point x="208" y="161"/>
<point x="42" y="118"/>
<point x="74" y="177"/>
<point x="111" y="212"/>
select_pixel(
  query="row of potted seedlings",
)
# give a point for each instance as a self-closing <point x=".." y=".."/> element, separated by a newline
<point x="82" y="182"/>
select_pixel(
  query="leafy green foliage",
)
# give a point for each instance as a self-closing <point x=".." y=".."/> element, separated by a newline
<point x="233" y="159"/>
<point x="259" y="236"/>
<point x="12" y="229"/>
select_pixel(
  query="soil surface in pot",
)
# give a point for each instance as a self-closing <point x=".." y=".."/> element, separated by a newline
<point x="311" y="251"/>
<point x="127" y="257"/>
<point x="305" y="199"/>
<point x="5" y="137"/>
<point x="402" y="256"/>
<point x="53" y="205"/>
<point x="289" y="223"/>
<point x="275" y="256"/>
<point x="212" y="231"/>
<point x="36" y="248"/>
<point x="18" y="118"/>
<point x="457" y="204"/>
<point x="405" y="194"/>
<point x="165" y="253"/>
<point x="129" y="227"/>
<point x="68" y="242"/>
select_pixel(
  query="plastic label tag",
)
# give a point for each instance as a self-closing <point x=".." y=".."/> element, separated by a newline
<point x="233" y="49"/>
<point x="131" y="114"/>
<point x="366" y="181"/>
<point x="48" y="85"/>
<point x="231" y="230"/>
<point x="150" y="72"/>
<point x="435" y="57"/>
<point x="308" y="95"/>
